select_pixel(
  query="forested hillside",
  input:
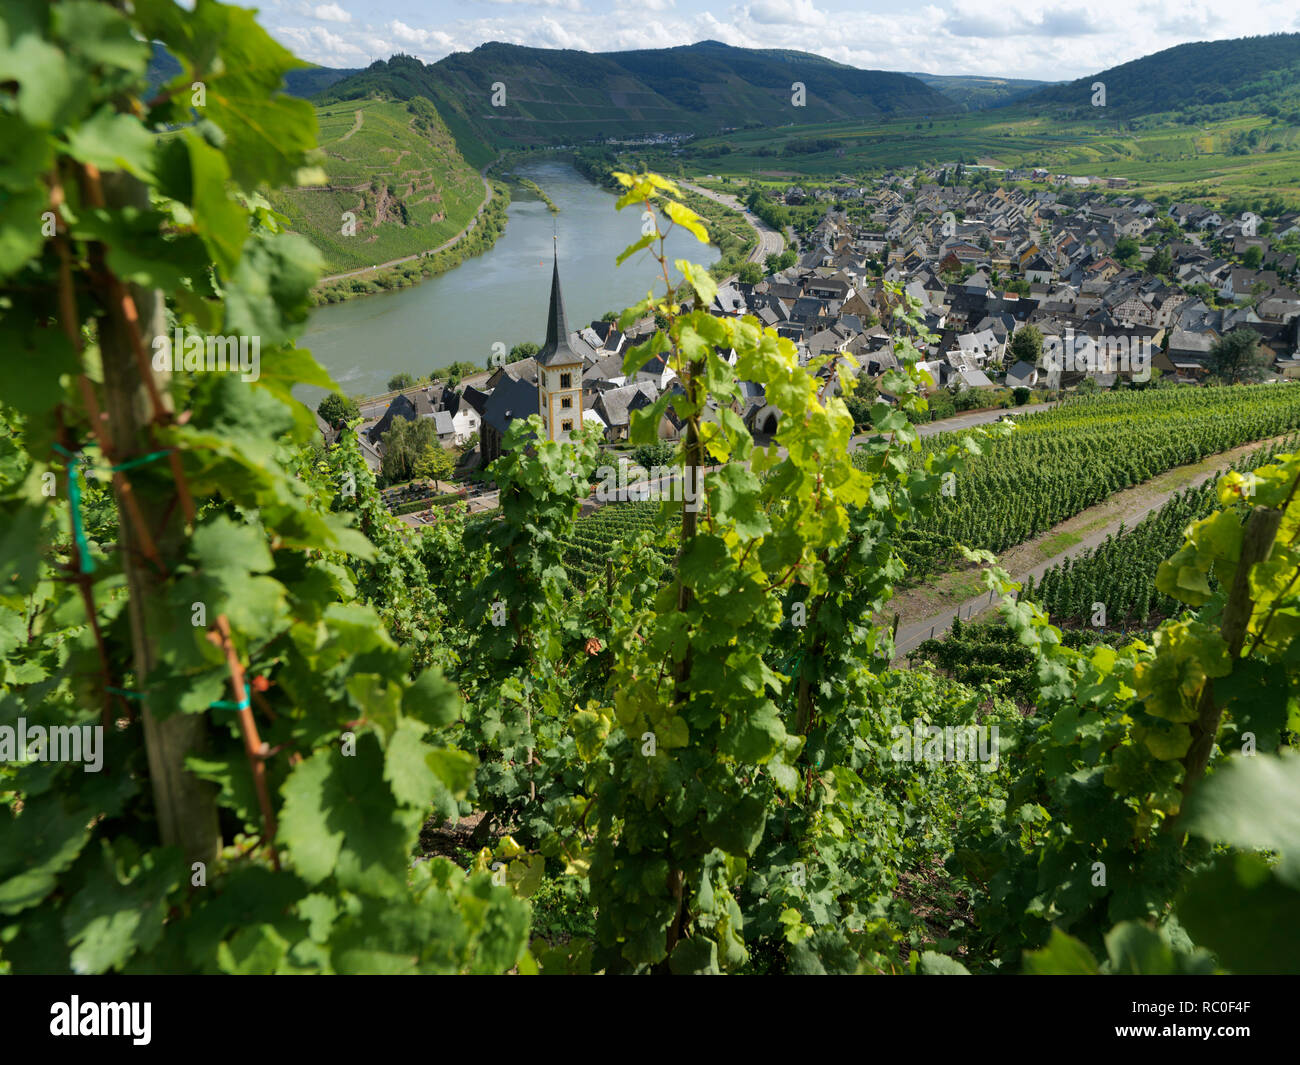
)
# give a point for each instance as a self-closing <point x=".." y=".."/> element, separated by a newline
<point x="1204" y="80"/>
<point x="556" y="96"/>
<point x="975" y="93"/>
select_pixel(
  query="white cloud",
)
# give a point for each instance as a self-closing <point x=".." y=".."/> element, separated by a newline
<point x="331" y="13"/>
<point x="567" y="5"/>
<point x="1012" y="38"/>
<point x="1071" y="23"/>
<point x="434" y="39"/>
<point x="316" y="44"/>
<point x="784" y="13"/>
<point x="552" y="34"/>
<point x="1001" y="23"/>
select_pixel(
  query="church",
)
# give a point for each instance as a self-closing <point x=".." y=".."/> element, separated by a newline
<point x="556" y="391"/>
<point x="559" y="371"/>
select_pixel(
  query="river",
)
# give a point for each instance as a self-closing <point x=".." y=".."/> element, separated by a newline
<point x="499" y="296"/>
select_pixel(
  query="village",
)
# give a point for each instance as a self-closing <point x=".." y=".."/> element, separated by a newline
<point x="1028" y="293"/>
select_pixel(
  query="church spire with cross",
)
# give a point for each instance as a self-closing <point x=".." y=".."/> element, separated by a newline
<point x="557" y="350"/>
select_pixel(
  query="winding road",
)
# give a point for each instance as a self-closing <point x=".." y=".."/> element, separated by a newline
<point x="770" y="242"/>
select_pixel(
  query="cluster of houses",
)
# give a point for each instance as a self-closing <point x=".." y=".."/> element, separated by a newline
<point x="955" y="249"/>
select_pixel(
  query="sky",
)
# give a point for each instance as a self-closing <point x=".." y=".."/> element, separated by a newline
<point x="997" y="38"/>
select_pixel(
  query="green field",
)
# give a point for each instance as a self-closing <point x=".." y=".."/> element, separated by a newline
<point x="396" y="167"/>
<point x="1156" y="153"/>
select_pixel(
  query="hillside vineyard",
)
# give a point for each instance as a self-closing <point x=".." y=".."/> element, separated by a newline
<point x="906" y="584"/>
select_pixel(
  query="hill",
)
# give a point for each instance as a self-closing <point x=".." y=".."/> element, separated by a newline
<point x="556" y="96"/>
<point x="1204" y="80"/>
<point x="975" y="92"/>
<point x="305" y="82"/>
<point x="396" y="167"/>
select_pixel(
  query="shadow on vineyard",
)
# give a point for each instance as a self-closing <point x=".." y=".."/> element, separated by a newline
<point x="989" y="654"/>
<point x="250" y="723"/>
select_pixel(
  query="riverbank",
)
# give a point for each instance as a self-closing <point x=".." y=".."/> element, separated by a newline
<point x="479" y="236"/>
<point x="500" y="296"/>
<point x="729" y="231"/>
<point x="538" y="191"/>
<point x="736" y="239"/>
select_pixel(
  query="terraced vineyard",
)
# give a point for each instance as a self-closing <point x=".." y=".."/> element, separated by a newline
<point x="596" y="534"/>
<point x="1062" y="461"/>
<point x="395" y="166"/>
<point x="1121" y="572"/>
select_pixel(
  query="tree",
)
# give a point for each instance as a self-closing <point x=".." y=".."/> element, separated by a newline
<point x="1237" y="357"/>
<point x="404" y="445"/>
<point x="1026" y="345"/>
<point x="338" y="410"/>
<point x="1127" y="250"/>
<point x="524" y="350"/>
<point x="435" y="462"/>
<point x="779" y="261"/>
<point x="1253" y="257"/>
<point x="400" y="381"/>
<point x="1161" y="263"/>
<point x="750" y="273"/>
<point x="454" y="373"/>
<point x="651" y="455"/>
<point x="862" y="399"/>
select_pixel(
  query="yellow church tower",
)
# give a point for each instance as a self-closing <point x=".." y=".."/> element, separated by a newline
<point x="559" y="371"/>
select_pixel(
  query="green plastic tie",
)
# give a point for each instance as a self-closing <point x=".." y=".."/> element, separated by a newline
<point x="74" y="501"/>
<point x="74" y="498"/>
<point x="132" y="463"/>
<point x="220" y="704"/>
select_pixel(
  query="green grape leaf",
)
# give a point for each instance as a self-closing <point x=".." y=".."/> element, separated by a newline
<point x="35" y="847"/>
<point x="1063" y="956"/>
<point x="1252" y="803"/>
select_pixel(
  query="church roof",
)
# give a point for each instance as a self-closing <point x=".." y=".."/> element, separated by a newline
<point x="511" y="399"/>
<point x="558" y="350"/>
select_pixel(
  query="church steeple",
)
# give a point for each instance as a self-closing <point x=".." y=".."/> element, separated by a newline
<point x="559" y="371"/>
<point x="556" y="351"/>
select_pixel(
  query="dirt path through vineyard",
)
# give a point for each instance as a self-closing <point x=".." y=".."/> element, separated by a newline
<point x="931" y="607"/>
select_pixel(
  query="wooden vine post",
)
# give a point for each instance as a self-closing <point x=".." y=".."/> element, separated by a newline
<point x="133" y="392"/>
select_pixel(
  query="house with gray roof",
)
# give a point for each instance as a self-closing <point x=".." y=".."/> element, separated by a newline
<point x="615" y="406"/>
